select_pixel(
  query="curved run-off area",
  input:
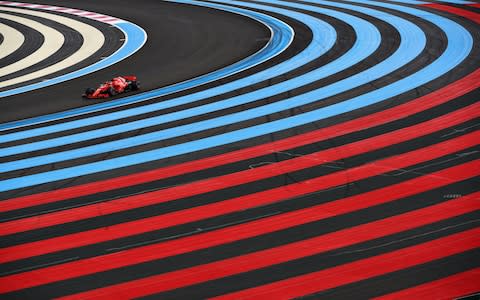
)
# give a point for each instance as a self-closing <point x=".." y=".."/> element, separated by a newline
<point x="282" y="36"/>
<point x="335" y="155"/>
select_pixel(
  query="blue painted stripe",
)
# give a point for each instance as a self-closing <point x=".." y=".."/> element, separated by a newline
<point x="135" y="38"/>
<point x="410" y="2"/>
<point x="423" y="2"/>
<point x="282" y="36"/>
<point x="326" y="40"/>
<point x="458" y="48"/>
<point x="368" y="40"/>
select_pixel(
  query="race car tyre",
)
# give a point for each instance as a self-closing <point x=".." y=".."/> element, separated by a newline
<point x="112" y="91"/>
<point x="135" y="85"/>
<point x="89" y="91"/>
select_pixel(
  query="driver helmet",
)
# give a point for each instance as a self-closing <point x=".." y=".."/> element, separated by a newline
<point x="118" y="83"/>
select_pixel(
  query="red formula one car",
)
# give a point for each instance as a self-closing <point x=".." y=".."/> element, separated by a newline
<point x="118" y="85"/>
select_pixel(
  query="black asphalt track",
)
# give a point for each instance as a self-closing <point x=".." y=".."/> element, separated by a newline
<point x="184" y="42"/>
<point x="33" y="40"/>
<point x="199" y="41"/>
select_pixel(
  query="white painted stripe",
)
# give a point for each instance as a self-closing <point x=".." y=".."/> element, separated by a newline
<point x="86" y="14"/>
<point x="68" y="10"/>
<point x="34" y="5"/>
<point x="102" y="17"/>
<point x="93" y="40"/>
<point x="52" y="43"/>
<point x="12" y="40"/>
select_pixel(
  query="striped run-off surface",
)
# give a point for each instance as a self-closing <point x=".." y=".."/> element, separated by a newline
<point x="297" y="149"/>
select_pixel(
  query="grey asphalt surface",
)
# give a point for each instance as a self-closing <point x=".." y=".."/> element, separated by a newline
<point x="184" y="42"/>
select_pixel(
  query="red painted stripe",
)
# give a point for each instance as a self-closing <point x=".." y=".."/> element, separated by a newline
<point x="43" y="7"/>
<point x="457" y="11"/>
<point x="316" y="213"/>
<point x="75" y="11"/>
<point x="451" y="287"/>
<point x="445" y="94"/>
<point x="242" y="177"/>
<point x="208" y="239"/>
<point x="88" y="14"/>
<point x="363" y="269"/>
<point x="109" y="19"/>
<point x="477" y="5"/>
<point x="285" y="253"/>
